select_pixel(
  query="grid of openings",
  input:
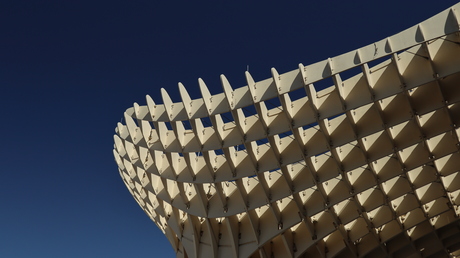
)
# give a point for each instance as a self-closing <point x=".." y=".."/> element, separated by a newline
<point x="366" y="167"/>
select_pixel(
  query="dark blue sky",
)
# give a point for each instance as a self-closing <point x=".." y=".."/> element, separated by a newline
<point x="69" y="69"/>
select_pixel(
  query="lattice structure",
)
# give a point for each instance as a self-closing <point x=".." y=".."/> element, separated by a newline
<point x="369" y="166"/>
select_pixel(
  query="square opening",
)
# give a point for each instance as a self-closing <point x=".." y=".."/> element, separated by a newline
<point x="206" y="121"/>
<point x="376" y="62"/>
<point x="305" y="127"/>
<point x="297" y="94"/>
<point x="332" y="117"/>
<point x="250" y="111"/>
<point x="240" y="147"/>
<point x="345" y="75"/>
<point x="273" y="103"/>
<point x="152" y="125"/>
<point x="323" y="84"/>
<point x="286" y="134"/>
<point x="187" y="125"/>
<point x="168" y="125"/>
<point x="227" y="117"/>
<point x="262" y="141"/>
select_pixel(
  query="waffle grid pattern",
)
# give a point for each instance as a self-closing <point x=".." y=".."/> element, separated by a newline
<point x="286" y="168"/>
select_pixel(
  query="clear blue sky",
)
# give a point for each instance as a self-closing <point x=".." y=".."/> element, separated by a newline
<point x="69" y="69"/>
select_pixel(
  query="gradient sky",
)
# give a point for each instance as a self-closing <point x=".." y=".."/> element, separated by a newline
<point x="69" y="69"/>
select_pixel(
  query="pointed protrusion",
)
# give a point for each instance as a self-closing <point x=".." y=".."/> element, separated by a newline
<point x="136" y="109"/>
<point x="131" y="125"/>
<point x="185" y="99"/>
<point x="250" y="80"/>
<point x="118" y="159"/>
<point x="122" y="131"/>
<point x="146" y="129"/>
<point x="309" y="88"/>
<point x="251" y="85"/>
<point x="151" y="106"/>
<point x="303" y="72"/>
<point x="121" y="151"/>
<point x="166" y="99"/>
<point x="277" y="79"/>
<point x="204" y="89"/>
<point x="207" y="97"/>
<point x="228" y="91"/>
<point x="198" y="129"/>
<point x="169" y="105"/>
<point x="163" y="134"/>
<point x="184" y="94"/>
